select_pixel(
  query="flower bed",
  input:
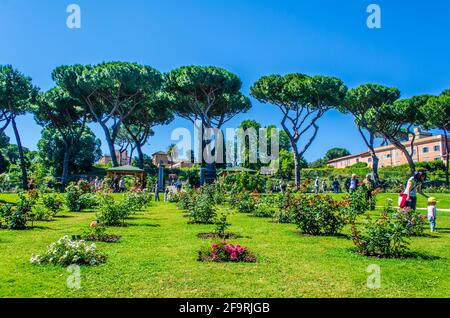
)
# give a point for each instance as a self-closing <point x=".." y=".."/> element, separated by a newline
<point x="67" y="252"/>
<point x="225" y="252"/>
<point x="96" y="232"/>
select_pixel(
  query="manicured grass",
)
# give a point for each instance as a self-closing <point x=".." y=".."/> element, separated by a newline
<point x="382" y="199"/>
<point x="156" y="257"/>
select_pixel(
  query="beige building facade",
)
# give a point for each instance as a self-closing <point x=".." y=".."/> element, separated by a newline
<point x="427" y="147"/>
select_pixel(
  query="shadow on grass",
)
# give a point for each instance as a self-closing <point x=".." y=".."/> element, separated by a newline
<point x="39" y="227"/>
<point x="407" y="255"/>
<point x="149" y="225"/>
<point x="65" y="216"/>
<point x="338" y="235"/>
<point x="8" y="202"/>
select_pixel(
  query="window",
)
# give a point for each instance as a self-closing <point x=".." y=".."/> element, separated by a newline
<point x="437" y="159"/>
<point x="425" y="149"/>
<point x="426" y="159"/>
<point x="369" y="160"/>
<point x="437" y="148"/>
<point x="357" y="159"/>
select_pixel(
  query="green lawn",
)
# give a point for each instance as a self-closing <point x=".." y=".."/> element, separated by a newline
<point x="382" y="199"/>
<point x="157" y="258"/>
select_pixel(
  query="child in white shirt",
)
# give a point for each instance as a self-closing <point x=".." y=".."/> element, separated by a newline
<point x="432" y="213"/>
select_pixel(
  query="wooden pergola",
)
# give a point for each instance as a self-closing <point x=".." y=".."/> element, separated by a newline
<point x="128" y="171"/>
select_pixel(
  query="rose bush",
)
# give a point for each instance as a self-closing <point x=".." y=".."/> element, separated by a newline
<point x="225" y="252"/>
<point x="67" y="252"/>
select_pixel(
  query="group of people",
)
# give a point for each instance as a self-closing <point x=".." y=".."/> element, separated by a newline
<point x="118" y="184"/>
<point x="169" y="190"/>
<point x="414" y="186"/>
<point x="351" y="184"/>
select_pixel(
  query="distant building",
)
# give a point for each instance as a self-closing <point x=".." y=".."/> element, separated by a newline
<point x="122" y="157"/>
<point x="168" y="162"/>
<point x="427" y="147"/>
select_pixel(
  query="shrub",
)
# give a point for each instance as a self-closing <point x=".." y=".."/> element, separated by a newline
<point x="41" y="213"/>
<point x="67" y="252"/>
<point x="16" y="220"/>
<point x="112" y="212"/>
<point x="202" y="209"/>
<point x="412" y="221"/>
<point x="97" y="232"/>
<point x="357" y="203"/>
<point x="185" y="199"/>
<point x="384" y="237"/>
<point x="16" y="217"/>
<point x="73" y="195"/>
<point x="77" y="199"/>
<point x="52" y="202"/>
<point x="284" y="214"/>
<point x="245" y="203"/>
<point x="222" y="225"/>
<point x="138" y="200"/>
<point x="317" y="214"/>
<point x="33" y="195"/>
<point x="84" y="186"/>
<point x="264" y="210"/>
<point x="224" y="252"/>
<point x="215" y="191"/>
<point x="88" y="201"/>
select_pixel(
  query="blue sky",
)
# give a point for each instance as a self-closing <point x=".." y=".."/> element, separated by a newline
<point x="248" y="37"/>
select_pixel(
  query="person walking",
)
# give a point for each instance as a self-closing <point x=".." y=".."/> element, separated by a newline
<point x="324" y="186"/>
<point x="414" y="186"/>
<point x="353" y="183"/>
<point x="116" y="183"/>
<point x="316" y="185"/>
<point x="166" y="194"/>
<point x="157" y="192"/>
<point x="336" y="185"/>
<point x="121" y="185"/>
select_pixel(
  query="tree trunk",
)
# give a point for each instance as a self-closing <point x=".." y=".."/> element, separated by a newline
<point x="65" y="172"/>
<point x="130" y="159"/>
<point x="412" y="165"/>
<point x="23" y="166"/>
<point x="110" y="143"/>
<point x="140" y="156"/>
<point x="373" y="154"/>
<point x="375" y="160"/>
<point x="296" y="164"/>
<point x="447" y="156"/>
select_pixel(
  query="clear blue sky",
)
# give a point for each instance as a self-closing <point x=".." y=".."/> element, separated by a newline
<point x="248" y="37"/>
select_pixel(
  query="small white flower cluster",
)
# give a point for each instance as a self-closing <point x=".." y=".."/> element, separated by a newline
<point x="66" y="252"/>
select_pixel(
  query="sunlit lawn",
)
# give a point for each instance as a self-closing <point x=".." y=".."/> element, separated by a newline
<point x="157" y="258"/>
<point x="382" y="199"/>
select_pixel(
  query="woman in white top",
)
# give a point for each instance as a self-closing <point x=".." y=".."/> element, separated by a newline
<point x="414" y="186"/>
